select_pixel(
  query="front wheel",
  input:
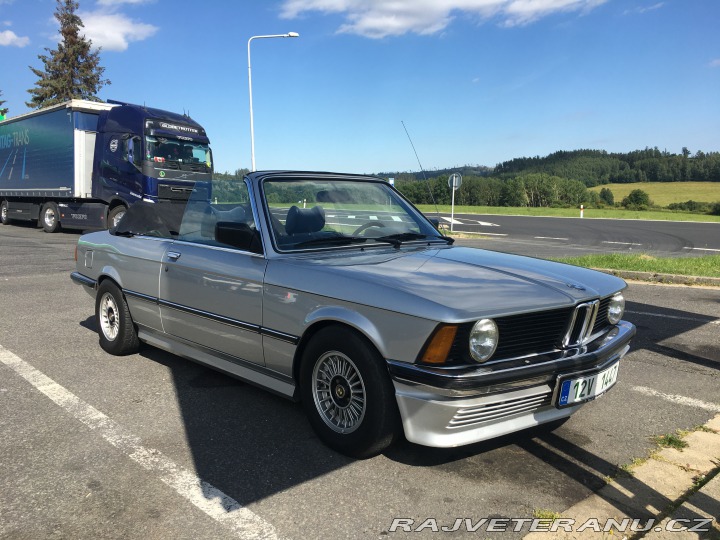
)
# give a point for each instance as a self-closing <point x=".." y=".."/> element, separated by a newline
<point x="115" y="326"/>
<point x="115" y="215"/>
<point x="50" y="217"/>
<point x="347" y="393"/>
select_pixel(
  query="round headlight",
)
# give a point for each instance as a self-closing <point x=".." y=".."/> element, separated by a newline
<point x="483" y="339"/>
<point x="616" y="308"/>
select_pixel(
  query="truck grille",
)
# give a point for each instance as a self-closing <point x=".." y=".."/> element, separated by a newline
<point x="175" y="193"/>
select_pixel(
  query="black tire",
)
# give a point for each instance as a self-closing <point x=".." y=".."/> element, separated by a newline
<point x="50" y="217"/>
<point x="115" y="215"/>
<point x="327" y="393"/>
<point x="115" y="326"/>
<point x="4" y="219"/>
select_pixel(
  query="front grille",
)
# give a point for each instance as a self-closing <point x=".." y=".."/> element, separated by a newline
<point x="581" y="324"/>
<point x="499" y="410"/>
<point x="537" y="333"/>
<point x="520" y="335"/>
<point x="601" y="322"/>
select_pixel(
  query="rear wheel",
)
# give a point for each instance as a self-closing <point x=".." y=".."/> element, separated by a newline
<point x="4" y="219"/>
<point x="347" y="393"/>
<point x="50" y="217"/>
<point x="115" y="326"/>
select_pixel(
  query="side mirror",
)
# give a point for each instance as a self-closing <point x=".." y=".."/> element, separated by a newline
<point x="435" y="222"/>
<point x="238" y="235"/>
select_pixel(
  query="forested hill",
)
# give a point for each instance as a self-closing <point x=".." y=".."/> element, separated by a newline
<point x="595" y="167"/>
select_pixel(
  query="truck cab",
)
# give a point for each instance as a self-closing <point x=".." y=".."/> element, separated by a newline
<point x="142" y="153"/>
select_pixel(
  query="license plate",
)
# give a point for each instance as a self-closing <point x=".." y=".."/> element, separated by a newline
<point x="579" y="388"/>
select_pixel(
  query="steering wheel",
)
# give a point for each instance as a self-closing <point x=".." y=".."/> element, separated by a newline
<point x="366" y="226"/>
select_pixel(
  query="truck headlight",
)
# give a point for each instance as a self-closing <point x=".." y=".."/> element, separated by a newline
<point x="483" y="339"/>
<point x="616" y="308"/>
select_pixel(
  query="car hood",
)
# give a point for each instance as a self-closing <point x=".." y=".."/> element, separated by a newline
<point x="451" y="284"/>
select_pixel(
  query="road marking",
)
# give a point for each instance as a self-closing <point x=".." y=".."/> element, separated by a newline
<point x="621" y="243"/>
<point x="373" y="218"/>
<point x="452" y="220"/>
<point x="550" y="238"/>
<point x="485" y="223"/>
<point x="682" y="400"/>
<point x="396" y="218"/>
<point x="483" y="233"/>
<point x="693" y="319"/>
<point x="206" y="497"/>
<point x="702" y="249"/>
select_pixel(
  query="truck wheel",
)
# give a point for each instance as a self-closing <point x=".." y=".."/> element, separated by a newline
<point x="115" y="326"/>
<point x="347" y="393"/>
<point x="4" y="219"/>
<point x="115" y="215"/>
<point x="50" y="217"/>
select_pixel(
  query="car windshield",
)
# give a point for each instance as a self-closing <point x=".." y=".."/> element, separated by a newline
<point x="168" y="150"/>
<point x="321" y="213"/>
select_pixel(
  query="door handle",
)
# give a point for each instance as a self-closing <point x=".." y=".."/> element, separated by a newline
<point x="173" y="255"/>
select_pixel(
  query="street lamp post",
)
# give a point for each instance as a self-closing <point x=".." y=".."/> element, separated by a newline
<point x="252" y="127"/>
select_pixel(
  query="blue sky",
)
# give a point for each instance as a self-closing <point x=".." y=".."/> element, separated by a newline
<point x="475" y="81"/>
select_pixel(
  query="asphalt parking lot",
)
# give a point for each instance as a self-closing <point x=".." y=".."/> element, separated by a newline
<point x="153" y="446"/>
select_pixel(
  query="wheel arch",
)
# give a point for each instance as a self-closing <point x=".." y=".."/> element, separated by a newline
<point x="109" y="273"/>
<point x="342" y="317"/>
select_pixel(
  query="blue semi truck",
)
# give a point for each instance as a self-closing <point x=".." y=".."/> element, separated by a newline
<point x="80" y="164"/>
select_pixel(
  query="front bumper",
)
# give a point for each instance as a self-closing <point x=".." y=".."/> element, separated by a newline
<point x="446" y="407"/>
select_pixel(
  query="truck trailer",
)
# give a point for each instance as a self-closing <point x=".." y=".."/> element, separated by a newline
<point x="80" y="164"/>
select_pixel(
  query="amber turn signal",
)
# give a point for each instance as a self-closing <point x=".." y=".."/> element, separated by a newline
<point x="438" y="349"/>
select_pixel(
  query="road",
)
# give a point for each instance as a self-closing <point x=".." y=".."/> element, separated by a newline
<point x="594" y="235"/>
<point x="96" y="446"/>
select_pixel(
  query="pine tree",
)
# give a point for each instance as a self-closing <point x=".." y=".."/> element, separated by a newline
<point x="72" y="71"/>
<point x="4" y="111"/>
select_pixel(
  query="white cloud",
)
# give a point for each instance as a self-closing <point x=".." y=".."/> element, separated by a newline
<point x="10" y="38"/>
<point x="382" y="18"/>
<point x="645" y="9"/>
<point x="715" y="63"/>
<point x="114" y="31"/>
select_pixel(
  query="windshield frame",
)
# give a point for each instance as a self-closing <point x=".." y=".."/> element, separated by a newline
<point x="424" y="225"/>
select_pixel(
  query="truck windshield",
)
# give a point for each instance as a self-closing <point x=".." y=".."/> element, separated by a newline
<point x="166" y="150"/>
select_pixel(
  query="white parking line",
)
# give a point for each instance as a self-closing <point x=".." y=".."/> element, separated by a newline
<point x="682" y="400"/>
<point x="213" y="502"/>
<point x="621" y="243"/>
<point x="702" y="249"/>
<point x="550" y="238"/>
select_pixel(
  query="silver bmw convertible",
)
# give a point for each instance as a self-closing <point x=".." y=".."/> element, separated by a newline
<point x="334" y="290"/>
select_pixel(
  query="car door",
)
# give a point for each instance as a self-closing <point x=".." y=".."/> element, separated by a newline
<point x="211" y="286"/>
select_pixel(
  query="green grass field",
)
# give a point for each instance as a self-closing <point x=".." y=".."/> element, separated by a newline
<point x="664" y="193"/>
<point x="607" y="213"/>
<point x="708" y="266"/>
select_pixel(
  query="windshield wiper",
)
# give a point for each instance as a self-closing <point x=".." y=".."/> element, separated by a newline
<point x="333" y="240"/>
<point x="397" y="239"/>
